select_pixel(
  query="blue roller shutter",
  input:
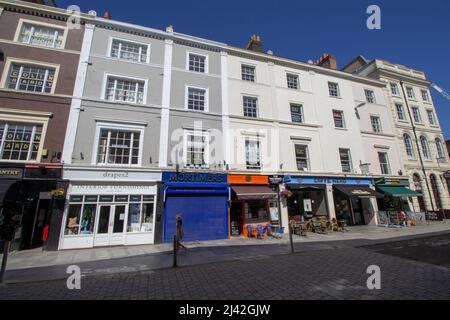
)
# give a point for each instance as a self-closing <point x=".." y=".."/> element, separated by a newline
<point x="205" y="217"/>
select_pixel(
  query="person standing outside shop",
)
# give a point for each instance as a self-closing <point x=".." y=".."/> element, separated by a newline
<point x="180" y="231"/>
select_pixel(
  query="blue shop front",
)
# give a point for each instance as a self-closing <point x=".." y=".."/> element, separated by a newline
<point x="201" y="199"/>
<point x="312" y="196"/>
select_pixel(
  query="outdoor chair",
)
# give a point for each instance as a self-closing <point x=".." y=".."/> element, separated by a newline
<point x="279" y="233"/>
<point x="250" y="230"/>
<point x="269" y="229"/>
<point x="260" y="231"/>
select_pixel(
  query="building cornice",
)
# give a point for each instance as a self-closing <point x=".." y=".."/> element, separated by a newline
<point x="302" y="65"/>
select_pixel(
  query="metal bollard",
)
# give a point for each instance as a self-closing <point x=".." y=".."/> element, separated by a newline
<point x="5" y="260"/>
<point x="175" y="249"/>
<point x="290" y="237"/>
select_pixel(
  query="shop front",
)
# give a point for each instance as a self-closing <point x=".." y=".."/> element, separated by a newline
<point x="109" y="208"/>
<point x="342" y="198"/>
<point x="202" y="201"/>
<point x="397" y="195"/>
<point x="30" y="201"/>
<point x="353" y="203"/>
<point x="254" y="204"/>
<point x="306" y="197"/>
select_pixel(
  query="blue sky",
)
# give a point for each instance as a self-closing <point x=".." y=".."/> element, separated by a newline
<point x="414" y="33"/>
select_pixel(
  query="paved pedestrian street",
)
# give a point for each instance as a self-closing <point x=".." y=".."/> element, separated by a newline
<point x="333" y="273"/>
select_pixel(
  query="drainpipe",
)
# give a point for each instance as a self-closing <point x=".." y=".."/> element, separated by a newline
<point x="417" y="145"/>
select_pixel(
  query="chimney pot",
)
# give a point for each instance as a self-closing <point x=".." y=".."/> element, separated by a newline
<point x="327" y="61"/>
<point x="169" y="29"/>
<point x="255" y="44"/>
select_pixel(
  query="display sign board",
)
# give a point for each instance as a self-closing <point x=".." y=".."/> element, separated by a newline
<point x="197" y="177"/>
<point x="248" y="179"/>
<point x="11" y="173"/>
<point x="392" y="182"/>
<point x="327" y="180"/>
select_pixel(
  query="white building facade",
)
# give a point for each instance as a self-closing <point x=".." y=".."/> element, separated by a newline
<point x="422" y="145"/>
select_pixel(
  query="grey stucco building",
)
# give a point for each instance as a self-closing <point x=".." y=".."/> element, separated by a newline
<point x="146" y="101"/>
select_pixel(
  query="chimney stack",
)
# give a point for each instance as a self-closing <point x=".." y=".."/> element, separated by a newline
<point x="107" y="15"/>
<point x="255" y="44"/>
<point x="327" y="61"/>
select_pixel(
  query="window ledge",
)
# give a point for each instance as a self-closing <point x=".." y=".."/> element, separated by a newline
<point x="341" y="129"/>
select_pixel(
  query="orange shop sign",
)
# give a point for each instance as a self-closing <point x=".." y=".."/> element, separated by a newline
<point x="247" y="179"/>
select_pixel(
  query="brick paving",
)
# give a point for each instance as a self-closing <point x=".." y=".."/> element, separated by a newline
<point x="325" y="274"/>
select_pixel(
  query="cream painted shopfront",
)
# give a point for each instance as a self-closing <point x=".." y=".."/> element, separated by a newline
<point x="114" y="209"/>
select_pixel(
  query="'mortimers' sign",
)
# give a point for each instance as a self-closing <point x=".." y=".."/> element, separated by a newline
<point x="188" y="177"/>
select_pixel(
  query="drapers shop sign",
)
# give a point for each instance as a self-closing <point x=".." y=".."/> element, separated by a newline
<point x="327" y="180"/>
<point x="184" y="177"/>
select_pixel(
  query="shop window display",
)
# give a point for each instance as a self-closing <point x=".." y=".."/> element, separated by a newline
<point x="255" y="211"/>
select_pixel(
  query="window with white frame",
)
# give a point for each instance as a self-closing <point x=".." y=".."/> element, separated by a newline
<point x="346" y="160"/>
<point x="394" y="89"/>
<point x="129" y="51"/>
<point x="431" y="118"/>
<point x="440" y="149"/>
<point x="297" y="113"/>
<point x="196" y="149"/>
<point x="425" y="96"/>
<point x="196" y="99"/>
<point x="119" y="146"/>
<point x="248" y="73"/>
<point x="370" y="96"/>
<point x="338" y="117"/>
<point x="140" y="214"/>
<point x="20" y="141"/>
<point x="400" y="112"/>
<point x="384" y="163"/>
<point x="124" y="90"/>
<point x="333" y="88"/>
<point x="376" y="124"/>
<point x="301" y="157"/>
<point x="250" y="105"/>
<point x="292" y="81"/>
<point x="197" y="63"/>
<point x="253" y="154"/>
<point x="43" y="36"/>
<point x="425" y="147"/>
<point x="410" y="93"/>
<point x="416" y="114"/>
<point x="33" y="78"/>
<point x="408" y="146"/>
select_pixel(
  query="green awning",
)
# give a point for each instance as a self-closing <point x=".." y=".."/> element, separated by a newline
<point x="399" y="191"/>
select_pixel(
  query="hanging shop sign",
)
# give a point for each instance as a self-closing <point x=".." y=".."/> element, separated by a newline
<point x="275" y="180"/>
<point x="327" y="180"/>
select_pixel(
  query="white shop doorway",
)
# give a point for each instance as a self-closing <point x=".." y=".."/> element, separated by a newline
<point x="110" y="226"/>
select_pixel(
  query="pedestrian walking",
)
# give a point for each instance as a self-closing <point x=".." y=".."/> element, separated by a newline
<point x="180" y="231"/>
